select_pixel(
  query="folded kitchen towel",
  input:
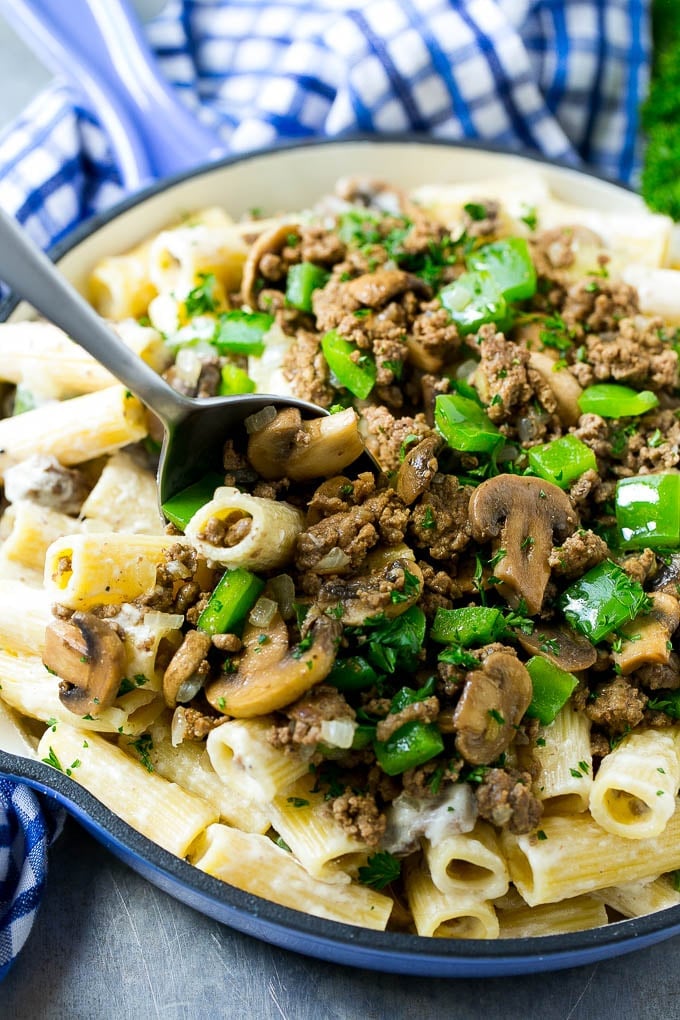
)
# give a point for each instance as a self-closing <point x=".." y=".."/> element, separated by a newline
<point x="561" y="78"/>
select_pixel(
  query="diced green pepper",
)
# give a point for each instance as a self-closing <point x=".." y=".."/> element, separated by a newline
<point x="563" y="460"/>
<point x="364" y="736"/>
<point x="236" y="593"/>
<point x="602" y="600"/>
<point x="352" y="674"/>
<point x="240" y="332"/>
<point x="552" y="689"/>
<point x="411" y="745"/>
<point x="648" y="510"/>
<point x="610" y="400"/>
<point x="235" y="380"/>
<point x="181" y="508"/>
<point x="465" y="425"/>
<point x="24" y="400"/>
<point x="474" y="299"/>
<point x="358" y="376"/>
<point x="302" y="279"/>
<point x="510" y="264"/>
<point x="470" y="625"/>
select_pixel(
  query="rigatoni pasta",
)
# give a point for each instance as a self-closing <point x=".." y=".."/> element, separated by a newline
<point x="440" y="697"/>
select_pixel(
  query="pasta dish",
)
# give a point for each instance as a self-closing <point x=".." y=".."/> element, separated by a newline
<point x="438" y="693"/>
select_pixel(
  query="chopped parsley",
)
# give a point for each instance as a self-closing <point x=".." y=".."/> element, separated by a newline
<point x="143" y="746"/>
<point x="202" y="300"/>
<point x="380" y="870"/>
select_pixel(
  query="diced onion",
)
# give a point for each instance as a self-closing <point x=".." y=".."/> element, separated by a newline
<point x="163" y="621"/>
<point x="188" y="366"/>
<point x="335" y="559"/>
<point x="190" y="688"/>
<point x="178" y="727"/>
<point x="282" y="590"/>
<point x="338" y="732"/>
<point x="177" y="569"/>
<point x="257" y="421"/>
<point x="262" y="613"/>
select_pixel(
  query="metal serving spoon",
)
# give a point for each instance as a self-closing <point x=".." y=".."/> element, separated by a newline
<point x="194" y="429"/>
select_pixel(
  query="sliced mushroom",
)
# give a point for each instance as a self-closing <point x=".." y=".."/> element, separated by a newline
<point x="89" y="657"/>
<point x="565" y="389"/>
<point x="271" y="675"/>
<point x="390" y="589"/>
<point x="647" y="639"/>
<point x="273" y="241"/>
<point x="289" y="447"/>
<point x="181" y="680"/>
<point x="561" y="645"/>
<point x="377" y="288"/>
<point x="417" y="469"/>
<point x="490" y="708"/>
<point x="524" y="517"/>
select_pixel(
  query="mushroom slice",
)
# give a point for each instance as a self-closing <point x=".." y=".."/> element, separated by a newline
<point x="490" y="708"/>
<point x="390" y="589"/>
<point x="417" y="469"/>
<point x="524" y="517"/>
<point x="271" y="675"/>
<point x="647" y="638"/>
<point x="288" y="447"/>
<point x="181" y="681"/>
<point x="565" y="388"/>
<point x="272" y="241"/>
<point x="89" y="657"/>
<point x="376" y="289"/>
<point x="560" y="644"/>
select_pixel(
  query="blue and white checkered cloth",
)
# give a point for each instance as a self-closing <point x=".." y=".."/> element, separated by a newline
<point x="560" y="77"/>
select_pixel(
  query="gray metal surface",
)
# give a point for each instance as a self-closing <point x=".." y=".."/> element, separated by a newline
<point x="107" y="944"/>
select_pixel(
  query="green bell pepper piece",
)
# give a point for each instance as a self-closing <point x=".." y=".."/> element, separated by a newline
<point x="465" y="425"/>
<point x="235" y="380"/>
<point x="240" y="332"/>
<point x="410" y="695"/>
<point x="181" y="508"/>
<point x="552" y="689"/>
<point x="24" y="400"/>
<point x="411" y="745"/>
<point x="356" y="376"/>
<point x="610" y="400"/>
<point x="602" y="600"/>
<point x="302" y="279"/>
<point x="236" y="593"/>
<point x="648" y="511"/>
<point x="510" y="264"/>
<point x="352" y="674"/>
<point x="364" y="736"/>
<point x="474" y="299"/>
<point x="562" y="461"/>
<point x="470" y="625"/>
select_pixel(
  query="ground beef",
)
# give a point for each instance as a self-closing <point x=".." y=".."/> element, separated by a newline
<point x="382" y="517"/>
<point x="180" y="563"/>
<point x="425" y="711"/>
<point x="658" y="675"/>
<point x="360" y="816"/>
<point x="482" y="217"/>
<point x="227" y="642"/>
<point x="582" y="492"/>
<point x="433" y="339"/>
<point x="225" y="534"/>
<point x="305" y="716"/>
<point x="654" y="444"/>
<point x="320" y="246"/>
<point x="502" y="375"/>
<point x="306" y="369"/>
<point x="338" y="494"/>
<point x="431" y="386"/>
<point x="504" y="798"/>
<point x="632" y="354"/>
<point x="385" y="435"/>
<point x="188" y="661"/>
<point x="617" y="706"/>
<point x="599" y="744"/>
<point x="641" y="565"/>
<point x="593" y="430"/>
<point x="43" y="480"/>
<point x="440" y="523"/>
<point x="418" y="782"/>
<point x="598" y="306"/>
<point x="580" y="552"/>
<point x="196" y="725"/>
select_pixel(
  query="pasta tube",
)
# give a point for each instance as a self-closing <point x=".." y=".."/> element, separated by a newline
<point x="644" y="897"/>
<point x="571" y="855"/>
<point x="158" y="809"/>
<point x="269" y="530"/>
<point x="634" y="792"/>
<point x="75" y="430"/>
<point x="576" y="914"/>
<point x="562" y="749"/>
<point x="125" y="498"/>
<point x="447" y="915"/>
<point x="255" y="864"/>
<point x="24" y="614"/>
<point x="468" y="862"/>
<point x="33" y="528"/>
<point x="244" y="759"/>
<point x="82" y="571"/>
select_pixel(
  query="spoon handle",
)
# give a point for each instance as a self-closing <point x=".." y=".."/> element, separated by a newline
<point x="29" y="272"/>
<point x="100" y="46"/>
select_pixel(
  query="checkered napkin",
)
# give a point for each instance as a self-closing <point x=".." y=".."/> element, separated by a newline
<point x="561" y="78"/>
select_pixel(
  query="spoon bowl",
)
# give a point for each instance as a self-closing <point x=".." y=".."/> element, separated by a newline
<point x="195" y="429"/>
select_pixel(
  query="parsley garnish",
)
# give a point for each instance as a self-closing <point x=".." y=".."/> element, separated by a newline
<point x="52" y="760"/>
<point x="143" y="746"/>
<point x="380" y="870"/>
<point x="201" y="299"/>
